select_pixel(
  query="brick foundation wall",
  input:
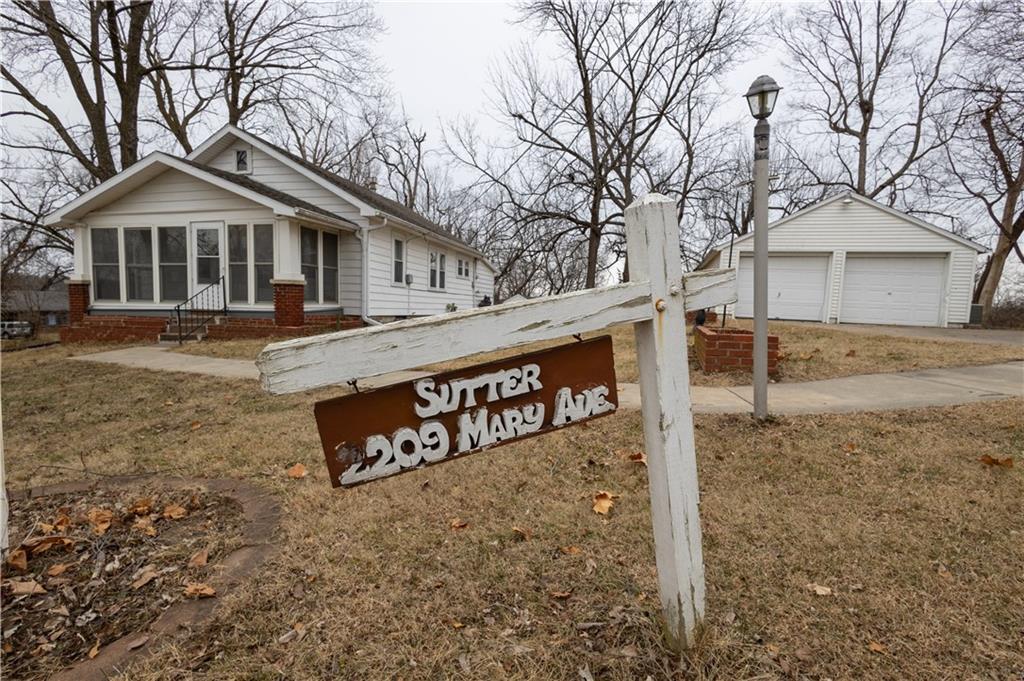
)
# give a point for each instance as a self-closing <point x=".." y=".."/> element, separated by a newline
<point x="289" y="306"/>
<point x="731" y="350"/>
<point x="114" y="329"/>
<point x="264" y="327"/>
<point x="78" y="301"/>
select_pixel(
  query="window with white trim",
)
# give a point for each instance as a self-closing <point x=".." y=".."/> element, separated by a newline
<point x="310" y="252"/>
<point x="138" y="263"/>
<point x="242" y="164"/>
<point x="462" y="269"/>
<point x="238" y="263"/>
<point x="330" y="266"/>
<point x="398" y="262"/>
<point x="437" y="270"/>
<point x="263" y="262"/>
<point x="173" y="254"/>
<point x="106" y="263"/>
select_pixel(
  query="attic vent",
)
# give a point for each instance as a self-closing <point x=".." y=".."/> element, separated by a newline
<point x="241" y="160"/>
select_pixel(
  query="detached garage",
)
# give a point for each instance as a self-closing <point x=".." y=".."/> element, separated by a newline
<point x="850" y="259"/>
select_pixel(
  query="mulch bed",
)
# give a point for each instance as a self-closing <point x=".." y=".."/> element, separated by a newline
<point x="88" y="568"/>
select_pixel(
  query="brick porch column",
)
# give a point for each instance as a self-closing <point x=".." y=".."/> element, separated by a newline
<point x="78" y="301"/>
<point x="289" y="305"/>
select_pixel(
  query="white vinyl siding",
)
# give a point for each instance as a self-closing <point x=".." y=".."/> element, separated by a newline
<point x="388" y="299"/>
<point x="860" y="229"/>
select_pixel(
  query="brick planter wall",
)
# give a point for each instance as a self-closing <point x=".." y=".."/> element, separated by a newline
<point x="114" y="329"/>
<point x="264" y="327"/>
<point x="78" y="301"/>
<point x="731" y="350"/>
<point x="289" y="306"/>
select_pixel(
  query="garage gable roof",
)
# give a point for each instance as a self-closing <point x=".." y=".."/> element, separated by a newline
<point x="874" y="204"/>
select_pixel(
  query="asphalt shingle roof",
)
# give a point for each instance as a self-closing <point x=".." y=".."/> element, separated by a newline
<point x="269" y="192"/>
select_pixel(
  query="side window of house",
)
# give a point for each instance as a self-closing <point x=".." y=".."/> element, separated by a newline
<point x="330" y="267"/>
<point x="310" y="263"/>
<point x="398" y="262"/>
<point x="173" y="263"/>
<point x="433" y="269"/>
<point x="138" y="263"/>
<point x="443" y="270"/>
<point x="106" y="272"/>
<point x="263" y="259"/>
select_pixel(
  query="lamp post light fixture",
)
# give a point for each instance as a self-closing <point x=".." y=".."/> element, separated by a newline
<point x="761" y="99"/>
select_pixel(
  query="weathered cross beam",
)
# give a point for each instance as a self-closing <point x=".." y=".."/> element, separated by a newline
<point x="336" y="358"/>
<point x="655" y="303"/>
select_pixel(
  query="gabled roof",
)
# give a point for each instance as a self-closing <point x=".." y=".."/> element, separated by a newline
<point x="159" y="162"/>
<point x="874" y="204"/>
<point x="368" y="201"/>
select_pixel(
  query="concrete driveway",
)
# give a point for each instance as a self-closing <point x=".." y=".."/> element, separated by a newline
<point x="989" y="336"/>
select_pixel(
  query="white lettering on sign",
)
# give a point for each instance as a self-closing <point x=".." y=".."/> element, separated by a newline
<point x="478" y="427"/>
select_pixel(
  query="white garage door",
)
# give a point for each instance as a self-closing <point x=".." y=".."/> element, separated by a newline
<point x="893" y="290"/>
<point x="796" y="287"/>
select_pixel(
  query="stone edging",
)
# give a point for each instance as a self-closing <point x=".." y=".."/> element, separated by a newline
<point x="261" y="513"/>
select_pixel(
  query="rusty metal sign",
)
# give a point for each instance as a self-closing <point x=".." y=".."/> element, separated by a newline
<point x="371" y="435"/>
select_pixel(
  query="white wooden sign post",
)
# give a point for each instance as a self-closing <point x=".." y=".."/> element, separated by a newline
<point x="655" y="302"/>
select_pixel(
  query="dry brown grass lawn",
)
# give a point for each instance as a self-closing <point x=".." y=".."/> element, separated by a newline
<point x="810" y="353"/>
<point x="920" y="543"/>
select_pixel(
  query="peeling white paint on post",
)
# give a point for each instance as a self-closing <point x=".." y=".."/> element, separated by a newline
<point x="656" y="302"/>
<point x="652" y="241"/>
<point x="333" y="358"/>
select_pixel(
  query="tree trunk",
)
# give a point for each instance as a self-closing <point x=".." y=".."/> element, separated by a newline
<point x="593" y="251"/>
<point x="995" y="273"/>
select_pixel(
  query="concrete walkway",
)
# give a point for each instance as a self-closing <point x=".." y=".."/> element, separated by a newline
<point x="868" y="392"/>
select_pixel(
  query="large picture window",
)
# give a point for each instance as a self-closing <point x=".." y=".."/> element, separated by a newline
<point x="173" y="254"/>
<point x="238" y="263"/>
<point x="310" y="263"/>
<point x="106" y="264"/>
<point x="330" y="243"/>
<point x="138" y="263"/>
<point x="263" y="261"/>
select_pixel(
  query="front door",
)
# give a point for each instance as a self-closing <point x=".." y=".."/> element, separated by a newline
<point x="208" y="264"/>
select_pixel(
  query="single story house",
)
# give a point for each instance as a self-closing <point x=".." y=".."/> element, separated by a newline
<point x="47" y="308"/>
<point x="850" y="259"/>
<point x="274" y="242"/>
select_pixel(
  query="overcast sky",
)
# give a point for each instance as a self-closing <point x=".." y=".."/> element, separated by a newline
<point x="439" y="56"/>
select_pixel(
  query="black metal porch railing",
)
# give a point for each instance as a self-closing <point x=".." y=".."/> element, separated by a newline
<point x="201" y="309"/>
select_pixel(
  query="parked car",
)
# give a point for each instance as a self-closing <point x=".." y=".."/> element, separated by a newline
<point x="15" y="330"/>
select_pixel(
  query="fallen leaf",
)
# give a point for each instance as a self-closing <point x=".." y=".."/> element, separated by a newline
<point x="850" y="447"/>
<point x="520" y="649"/>
<point x="876" y="647"/>
<point x="199" y="559"/>
<point x="458" y="524"/>
<point x="100" y="519"/>
<point x="149" y="573"/>
<point x="138" y="643"/>
<point x="46" y="528"/>
<point x="62" y="522"/>
<point x="806" y="356"/>
<point x="803" y="654"/>
<point x="196" y="425"/>
<point x="456" y="624"/>
<point x="638" y="457"/>
<point x="143" y="506"/>
<point x="560" y="595"/>
<point x="944" y="572"/>
<point x="524" y="533"/>
<point x="729" y="617"/>
<point x="296" y="633"/>
<point x="26" y="587"/>
<point x="773" y="650"/>
<point x="145" y="523"/>
<point x="38" y="545"/>
<point x="603" y="502"/>
<point x="95" y="650"/>
<point x="199" y="590"/>
<point x="628" y="651"/>
<point x="571" y="550"/>
<point x="993" y="461"/>
<point x="18" y="559"/>
<point x="57" y="569"/>
<point x="175" y="512"/>
<point x="819" y="590"/>
<point x="297" y="471"/>
<point x="851" y="353"/>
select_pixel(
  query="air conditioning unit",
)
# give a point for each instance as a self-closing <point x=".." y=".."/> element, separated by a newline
<point x="976" y="312"/>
